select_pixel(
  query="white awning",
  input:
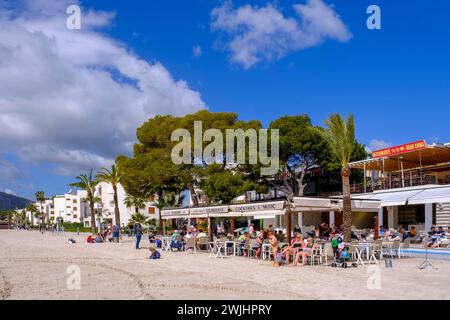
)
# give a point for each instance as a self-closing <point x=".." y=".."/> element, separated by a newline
<point x="434" y="195"/>
<point x="305" y="204"/>
<point x="394" y="198"/>
<point x="312" y="204"/>
<point x="363" y="205"/>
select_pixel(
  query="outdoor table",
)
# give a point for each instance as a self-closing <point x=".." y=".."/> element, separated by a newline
<point x="216" y="249"/>
<point x="358" y="254"/>
<point x="369" y="250"/>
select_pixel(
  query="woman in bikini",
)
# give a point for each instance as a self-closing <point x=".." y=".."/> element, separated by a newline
<point x="296" y="245"/>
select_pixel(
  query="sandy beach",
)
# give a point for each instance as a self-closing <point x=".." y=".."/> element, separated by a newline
<point x="36" y="266"/>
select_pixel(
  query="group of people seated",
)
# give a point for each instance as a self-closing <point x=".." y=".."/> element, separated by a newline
<point x="179" y="237"/>
<point x="95" y="238"/>
<point x="401" y="233"/>
<point x="437" y="236"/>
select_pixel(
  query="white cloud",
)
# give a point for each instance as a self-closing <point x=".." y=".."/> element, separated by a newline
<point x="257" y="34"/>
<point x="376" y="144"/>
<point x="74" y="98"/>
<point x="197" y="51"/>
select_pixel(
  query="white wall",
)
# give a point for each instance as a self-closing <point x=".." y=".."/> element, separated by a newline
<point x="106" y="193"/>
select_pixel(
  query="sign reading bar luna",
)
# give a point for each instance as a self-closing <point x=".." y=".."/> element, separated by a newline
<point x="404" y="148"/>
<point x="279" y="205"/>
<point x="175" y="212"/>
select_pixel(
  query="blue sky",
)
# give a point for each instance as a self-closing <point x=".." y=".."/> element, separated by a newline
<point x="394" y="80"/>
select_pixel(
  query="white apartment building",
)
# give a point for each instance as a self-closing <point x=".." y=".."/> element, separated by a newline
<point x="72" y="207"/>
<point x="105" y="208"/>
<point x="68" y="207"/>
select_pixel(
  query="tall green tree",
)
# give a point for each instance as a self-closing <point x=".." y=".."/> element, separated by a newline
<point x="135" y="202"/>
<point x="222" y="187"/>
<point x="88" y="183"/>
<point x="340" y="135"/>
<point x="40" y="198"/>
<point x="31" y="207"/>
<point x="113" y="177"/>
<point x="301" y="148"/>
<point x="8" y="216"/>
<point x="151" y="168"/>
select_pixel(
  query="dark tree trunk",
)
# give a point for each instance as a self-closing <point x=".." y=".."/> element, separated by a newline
<point x="347" y="209"/>
<point x="116" y="207"/>
<point x="160" y="220"/>
<point x="287" y="217"/>
<point x="91" y="205"/>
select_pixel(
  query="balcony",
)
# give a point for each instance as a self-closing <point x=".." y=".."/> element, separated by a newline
<point x="396" y="180"/>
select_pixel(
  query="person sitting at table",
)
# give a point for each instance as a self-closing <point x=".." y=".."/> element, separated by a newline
<point x="448" y="232"/>
<point x="297" y="229"/>
<point x="353" y="236"/>
<point x="307" y="250"/>
<point x="381" y="230"/>
<point x="201" y="234"/>
<point x="326" y="232"/>
<point x="273" y="241"/>
<point x="242" y="241"/>
<point x="176" y="241"/>
<point x="440" y="232"/>
<point x="293" y="248"/>
<point x="257" y="245"/>
<point x="411" y="233"/>
<point x="432" y="231"/>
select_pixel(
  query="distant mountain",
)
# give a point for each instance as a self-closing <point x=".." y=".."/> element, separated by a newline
<point x="10" y="202"/>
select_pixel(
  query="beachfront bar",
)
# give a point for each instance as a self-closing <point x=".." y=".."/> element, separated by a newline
<point x="269" y="211"/>
<point x="412" y="181"/>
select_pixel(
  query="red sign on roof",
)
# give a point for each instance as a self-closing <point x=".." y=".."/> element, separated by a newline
<point x="404" y="148"/>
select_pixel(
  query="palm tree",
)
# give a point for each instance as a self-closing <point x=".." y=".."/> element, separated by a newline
<point x="138" y="218"/>
<point x="88" y="182"/>
<point x="113" y="177"/>
<point x="31" y="207"/>
<point x="340" y="135"/>
<point x="40" y="197"/>
<point x="134" y="201"/>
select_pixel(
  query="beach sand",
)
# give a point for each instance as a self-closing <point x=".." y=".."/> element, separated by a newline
<point x="36" y="266"/>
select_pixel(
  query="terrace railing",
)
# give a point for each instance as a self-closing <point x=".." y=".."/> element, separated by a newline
<point x="397" y="180"/>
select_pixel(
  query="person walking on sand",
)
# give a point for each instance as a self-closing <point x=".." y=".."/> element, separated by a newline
<point x="138" y="233"/>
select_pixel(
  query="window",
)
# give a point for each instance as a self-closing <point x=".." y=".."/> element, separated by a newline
<point x="75" y="216"/>
<point x="75" y="201"/>
<point x="151" y="210"/>
<point x="74" y="209"/>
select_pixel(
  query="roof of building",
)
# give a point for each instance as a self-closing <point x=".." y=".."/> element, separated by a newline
<point x="430" y="155"/>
